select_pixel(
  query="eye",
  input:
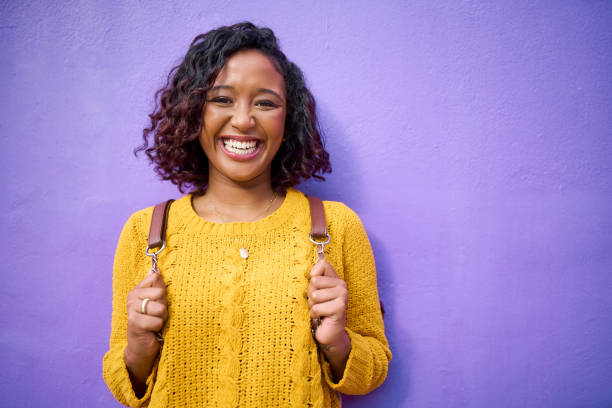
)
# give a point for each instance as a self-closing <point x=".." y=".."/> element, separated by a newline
<point x="265" y="103"/>
<point x="221" y="100"/>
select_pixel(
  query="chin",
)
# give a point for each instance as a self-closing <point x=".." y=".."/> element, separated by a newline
<point x="243" y="177"/>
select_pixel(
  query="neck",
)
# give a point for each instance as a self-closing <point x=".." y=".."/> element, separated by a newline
<point x="229" y="193"/>
<point x="226" y="200"/>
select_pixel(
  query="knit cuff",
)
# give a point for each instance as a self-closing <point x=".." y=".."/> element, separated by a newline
<point x="118" y="380"/>
<point x="358" y="370"/>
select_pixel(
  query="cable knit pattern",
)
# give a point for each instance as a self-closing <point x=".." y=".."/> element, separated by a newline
<point x="238" y="332"/>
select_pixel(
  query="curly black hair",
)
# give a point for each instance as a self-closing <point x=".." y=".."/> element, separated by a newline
<point x="171" y="142"/>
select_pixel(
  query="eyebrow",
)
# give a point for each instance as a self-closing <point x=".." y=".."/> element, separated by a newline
<point x="264" y="90"/>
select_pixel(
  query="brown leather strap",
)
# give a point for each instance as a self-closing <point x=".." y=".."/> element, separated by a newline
<point x="159" y="220"/>
<point x="318" y="227"/>
<point x="319" y="231"/>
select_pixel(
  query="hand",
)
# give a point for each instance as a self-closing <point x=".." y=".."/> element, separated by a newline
<point x="142" y="328"/>
<point x="327" y="299"/>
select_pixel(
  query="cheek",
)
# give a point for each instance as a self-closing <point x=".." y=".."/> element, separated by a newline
<point x="210" y="124"/>
<point x="277" y="124"/>
<point x="207" y="143"/>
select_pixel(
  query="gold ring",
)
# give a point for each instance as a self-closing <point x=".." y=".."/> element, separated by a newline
<point x="143" y="305"/>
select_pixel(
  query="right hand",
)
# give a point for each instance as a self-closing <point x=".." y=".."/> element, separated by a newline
<point x="142" y="328"/>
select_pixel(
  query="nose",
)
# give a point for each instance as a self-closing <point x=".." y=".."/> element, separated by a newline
<point x="242" y="118"/>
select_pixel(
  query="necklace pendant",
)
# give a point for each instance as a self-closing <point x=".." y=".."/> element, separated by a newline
<point x="244" y="253"/>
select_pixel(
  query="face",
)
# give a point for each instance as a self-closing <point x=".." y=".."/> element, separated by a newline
<point x="244" y="119"/>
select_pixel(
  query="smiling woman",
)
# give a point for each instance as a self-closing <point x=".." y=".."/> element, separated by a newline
<point x="250" y="313"/>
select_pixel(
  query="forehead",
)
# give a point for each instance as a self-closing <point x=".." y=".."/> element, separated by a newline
<point x="250" y="68"/>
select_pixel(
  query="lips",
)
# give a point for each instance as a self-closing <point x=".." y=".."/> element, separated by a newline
<point x="240" y="148"/>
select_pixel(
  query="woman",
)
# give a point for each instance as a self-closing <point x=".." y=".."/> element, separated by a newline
<point x="239" y="279"/>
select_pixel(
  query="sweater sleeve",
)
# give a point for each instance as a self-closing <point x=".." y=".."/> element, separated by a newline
<point x="369" y="358"/>
<point x="130" y="267"/>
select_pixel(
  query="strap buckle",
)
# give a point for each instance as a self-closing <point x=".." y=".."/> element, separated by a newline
<point x="154" y="254"/>
<point x="320" y="244"/>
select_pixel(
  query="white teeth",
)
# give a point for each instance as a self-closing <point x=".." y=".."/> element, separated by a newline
<point x="238" y="147"/>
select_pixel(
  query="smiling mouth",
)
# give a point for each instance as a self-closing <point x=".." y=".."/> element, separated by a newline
<point x="238" y="147"/>
<point x="241" y="149"/>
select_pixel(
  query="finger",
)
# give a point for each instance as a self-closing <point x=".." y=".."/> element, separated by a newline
<point x="153" y="308"/>
<point x="146" y="282"/>
<point x="309" y="291"/>
<point x="319" y="268"/>
<point x="158" y="281"/>
<point x="311" y="287"/>
<point x="152" y="279"/>
<point x="330" y="271"/>
<point x="148" y="323"/>
<point x="331" y="308"/>
<point x="322" y="282"/>
<point x="324" y="295"/>
<point x="157" y="294"/>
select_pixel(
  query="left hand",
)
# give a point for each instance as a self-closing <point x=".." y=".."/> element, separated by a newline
<point x="327" y="299"/>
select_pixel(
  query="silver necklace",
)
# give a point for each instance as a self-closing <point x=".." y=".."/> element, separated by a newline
<point x="244" y="253"/>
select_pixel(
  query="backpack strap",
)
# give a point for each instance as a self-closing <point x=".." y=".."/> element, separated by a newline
<point x="318" y="233"/>
<point x="159" y="221"/>
<point x="318" y="225"/>
<point x="318" y="228"/>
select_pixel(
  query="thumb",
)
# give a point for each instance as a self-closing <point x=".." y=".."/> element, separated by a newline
<point x="330" y="271"/>
<point x="319" y="268"/>
<point x="148" y="280"/>
<point x="156" y="280"/>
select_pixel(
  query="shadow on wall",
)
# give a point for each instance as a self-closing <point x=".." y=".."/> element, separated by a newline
<point x="397" y="387"/>
<point x="345" y="184"/>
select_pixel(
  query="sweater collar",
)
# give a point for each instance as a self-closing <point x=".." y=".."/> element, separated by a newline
<point x="187" y="215"/>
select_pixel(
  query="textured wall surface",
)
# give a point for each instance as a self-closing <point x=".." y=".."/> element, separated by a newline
<point x="473" y="138"/>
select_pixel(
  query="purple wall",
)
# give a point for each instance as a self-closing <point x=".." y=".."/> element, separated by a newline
<point x="474" y="139"/>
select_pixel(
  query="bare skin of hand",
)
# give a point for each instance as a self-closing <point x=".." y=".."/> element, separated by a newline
<point x="327" y="299"/>
<point x="142" y="345"/>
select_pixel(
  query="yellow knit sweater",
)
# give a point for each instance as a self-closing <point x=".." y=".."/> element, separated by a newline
<point x="238" y="332"/>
